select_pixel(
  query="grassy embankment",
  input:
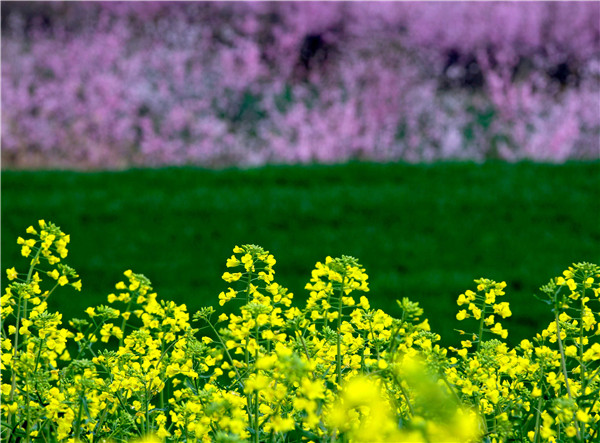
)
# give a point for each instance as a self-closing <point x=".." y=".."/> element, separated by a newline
<point x="423" y="232"/>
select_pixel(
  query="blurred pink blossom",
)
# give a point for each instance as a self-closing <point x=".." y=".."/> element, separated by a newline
<point x="119" y="84"/>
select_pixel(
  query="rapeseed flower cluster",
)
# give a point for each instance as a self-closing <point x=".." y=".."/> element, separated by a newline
<point x="545" y="389"/>
<point x="140" y="369"/>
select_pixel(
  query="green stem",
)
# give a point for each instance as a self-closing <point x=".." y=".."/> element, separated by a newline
<point x="303" y="345"/>
<point x="51" y="291"/>
<point x="246" y="352"/>
<point x="33" y="263"/>
<point x="14" y="374"/>
<point x="481" y="322"/>
<point x="232" y="364"/>
<point x="581" y="364"/>
<point x="248" y="283"/>
<point x="100" y="422"/>
<point x="338" y="365"/>
<point x="563" y="365"/>
<point x="78" y="422"/>
<point x="17" y="335"/>
<point x="395" y="332"/>
<point x="589" y="380"/>
<point x="404" y="394"/>
<point x="37" y="357"/>
<point x="538" y="413"/>
<point x="481" y="414"/>
<point x="582" y="368"/>
<point x="185" y="427"/>
<point x="226" y="352"/>
<point x="146" y="402"/>
<point x="326" y="312"/>
<point x="451" y="388"/>
<point x="374" y="339"/>
<point x="256" y="424"/>
<point x="124" y="323"/>
<point x="27" y="407"/>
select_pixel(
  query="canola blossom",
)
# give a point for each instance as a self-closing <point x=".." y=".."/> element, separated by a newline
<point x="266" y="370"/>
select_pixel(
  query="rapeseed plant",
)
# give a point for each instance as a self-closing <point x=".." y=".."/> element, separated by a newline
<point x="336" y="369"/>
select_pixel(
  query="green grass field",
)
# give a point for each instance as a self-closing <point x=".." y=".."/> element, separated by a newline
<point x="423" y="232"/>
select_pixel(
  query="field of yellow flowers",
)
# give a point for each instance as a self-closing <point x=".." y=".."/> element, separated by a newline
<point x="336" y="369"/>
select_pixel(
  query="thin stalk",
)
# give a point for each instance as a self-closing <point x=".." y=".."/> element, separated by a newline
<point x="483" y="419"/>
<point x="14" y="375"/>
<point x="256" y="424"/>
<point x="404" y="394"/>
<point x="162" y="395"/>
<point x="51" y="291"/>
<point x="88" y="346"/>
<point x="481" y="322"/>
<point x="374" y="339"/>
<point x="232" y="364"/>
<point x="451" y="388"/>
<point x="246" y="352"/>
<point x="303" y="345"/>
<point x="326" y="319"/>
<point x="146" y="402"/>
<point x="395" y="334"/>
<point x="17" y="335"/>
<point x="16" y="345"/>
<point x="226" y="351"/>
<point x="582" y="368"/>
<point x="33" y="263"/>
<point x="338" y="365"/>
<point x="581" y="364"/>
<point x="28" y="409"/>
<point x="78" y="422"/>
<point x="124" y="323"/>
<point x="538" y="413"/>
<point x="100" y="422"/>
<point x="186" y="431"/>
<point x="563" y="365"/>
<point x="583" y="389"/>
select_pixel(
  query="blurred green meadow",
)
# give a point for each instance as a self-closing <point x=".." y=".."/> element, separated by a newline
<point x="421" y="231"/>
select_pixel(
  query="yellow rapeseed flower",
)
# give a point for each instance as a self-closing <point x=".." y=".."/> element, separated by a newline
<point x="11" y="273"/>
